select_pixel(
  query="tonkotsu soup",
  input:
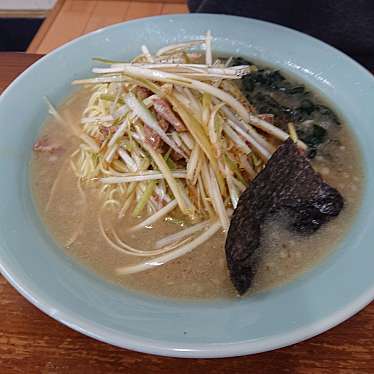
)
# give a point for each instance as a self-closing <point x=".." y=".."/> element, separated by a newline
<point x="138" y="173"/>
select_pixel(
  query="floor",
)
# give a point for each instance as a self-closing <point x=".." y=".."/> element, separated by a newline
<point x="72" y="18"/>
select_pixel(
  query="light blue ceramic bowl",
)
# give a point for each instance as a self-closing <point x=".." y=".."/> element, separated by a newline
<point x="32" y="263"/>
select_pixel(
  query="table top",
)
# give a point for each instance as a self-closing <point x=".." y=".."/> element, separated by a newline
<point x="31" y="342"/>
<point x="70" y="19"/>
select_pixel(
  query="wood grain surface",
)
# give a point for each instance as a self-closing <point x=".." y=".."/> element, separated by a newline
<point x="70" y="19"/>
<point x="31" y="342"/>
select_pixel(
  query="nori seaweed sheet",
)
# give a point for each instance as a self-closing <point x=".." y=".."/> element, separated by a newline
<point x="287" y="184"/>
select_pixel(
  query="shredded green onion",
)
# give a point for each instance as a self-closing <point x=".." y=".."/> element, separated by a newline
<point x="142" y="164"/>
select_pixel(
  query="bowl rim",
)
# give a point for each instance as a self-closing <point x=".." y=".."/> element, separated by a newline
<point x="171" y="349"/>
<point x="186" y="350"/>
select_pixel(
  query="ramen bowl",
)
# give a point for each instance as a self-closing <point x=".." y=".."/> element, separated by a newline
<point x="32" y="262"/>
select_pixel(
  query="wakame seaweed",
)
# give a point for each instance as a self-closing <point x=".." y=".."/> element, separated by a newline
<point x="287" y="184"/>
<point x="268" y="90"/>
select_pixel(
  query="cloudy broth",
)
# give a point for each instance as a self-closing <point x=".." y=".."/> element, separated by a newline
<point x="201" y="273"/>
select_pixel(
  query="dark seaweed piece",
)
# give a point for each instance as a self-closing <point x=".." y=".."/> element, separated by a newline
<point x="236" y="61"/>
<point x="269" y="78"/>
<point x="303" y="111"/>
<point x="287" y="184"/>
<point x="297" y="90"/>
<point x="307" y="106"/>
<point x="248" y="84"/>
<point x="297" y="115"/>
<point x="268" y="90"/>
<point x="266" y="104"/>
<point x="272" y="80"/>
<point x="327" y="112"/>
<point x="275" y="79"/>
<point x="317" y="137"/>
<point x="313" y="136"/>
